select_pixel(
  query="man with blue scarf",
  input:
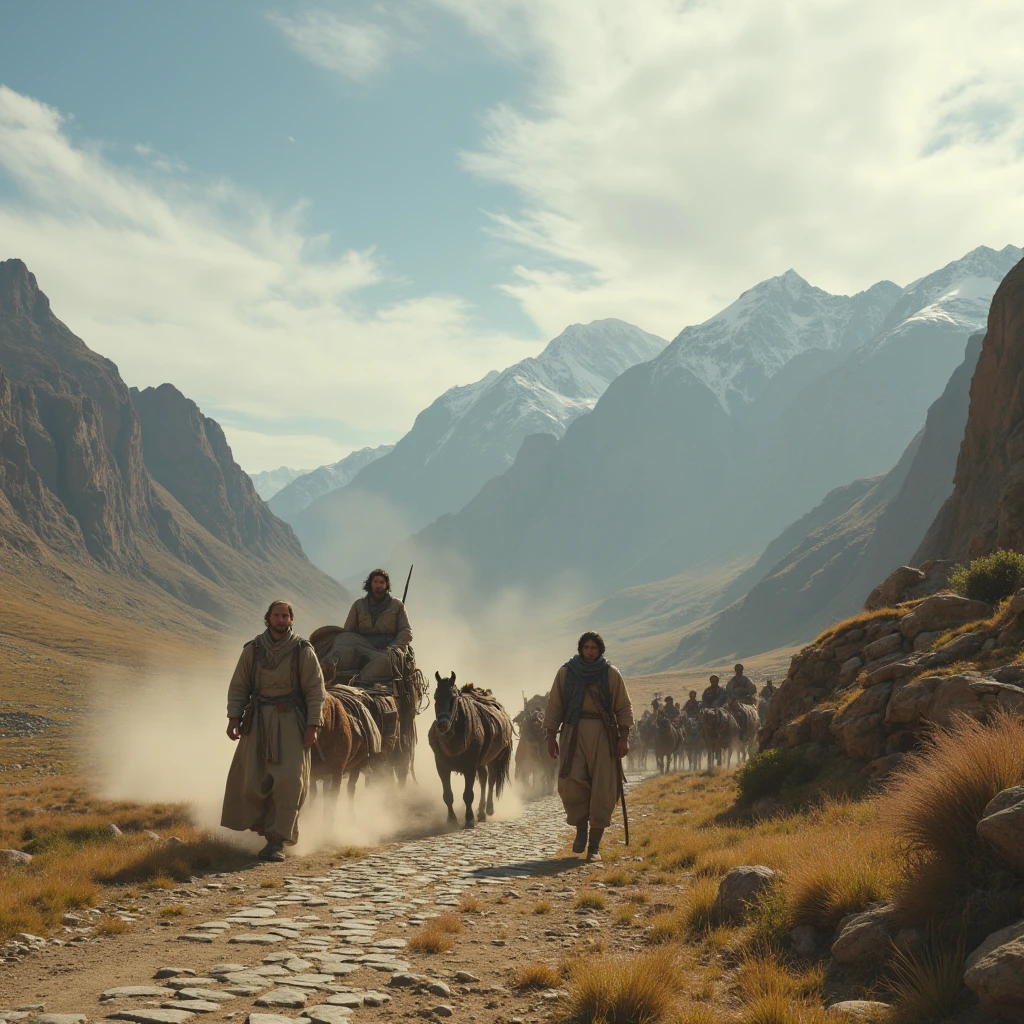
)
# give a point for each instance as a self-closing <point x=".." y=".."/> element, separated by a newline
<point x="591" y="707"/>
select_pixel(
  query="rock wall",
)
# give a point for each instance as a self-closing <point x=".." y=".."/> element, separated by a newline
<point x="986" y="509"/>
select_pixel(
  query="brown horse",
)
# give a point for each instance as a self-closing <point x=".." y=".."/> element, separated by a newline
<point x="666" y="744"/>
<point x="339" y="749"/>
<point x="471" y="734"/>
<point x="747" y="724"/>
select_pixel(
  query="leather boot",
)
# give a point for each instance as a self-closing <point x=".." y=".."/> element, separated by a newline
<point x="580" y="842"/>
<point x="274" y="850"/>
<point x="593" y="853"/>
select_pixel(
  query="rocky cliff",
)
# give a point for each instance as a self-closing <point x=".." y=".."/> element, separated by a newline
<point x="152" y="498"/>
<point x="986" y="509"/>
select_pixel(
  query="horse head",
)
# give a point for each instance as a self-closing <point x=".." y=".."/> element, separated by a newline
<point x="446" y="701"/>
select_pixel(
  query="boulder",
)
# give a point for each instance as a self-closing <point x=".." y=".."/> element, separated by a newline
<point x="939" y="699"/>
<point x="741" y="887"/>
<point x="848" y="670"/>
<point x="994" y="972"/>
<point x="817" y="723"/>
<point x="858" y="727"/>
<point x="963" y="646"/>
<point x="804" y="940"/>
<point x="892" y="589"/>
<point x="923" y="641"/>
<point x="941" y="612"/>
<point x="882" y="767"/>
<point x="890" y="670"/>
<point x="15" y="857"/>
<point x="863" y="938"/>
<point x="1002" y="826"/>
<point x="883" y="647"/>
<point x="1017" y="604"/>
<point x="860" y="1011"/>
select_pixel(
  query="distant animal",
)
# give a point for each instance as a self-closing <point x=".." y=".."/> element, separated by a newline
<point x="762" y="710"/>
<point x="747" y="724"/>
<point x="471" y="734"/>
<point x="719" y="729"/>
<point x="691" y="739"/>
<point x="666" y="744"/>
<point x="637" y="750"/>
<point x="535" y="769"/>
<point x="646" y="729"/>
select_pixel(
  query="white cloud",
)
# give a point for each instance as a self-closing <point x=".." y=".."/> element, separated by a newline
<point x="350" y="48"/>
<point x="672" y="154"/>
<point x="209" y="288"/>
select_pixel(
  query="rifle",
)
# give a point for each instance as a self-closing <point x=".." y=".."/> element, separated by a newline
<point x="405" y="593"/>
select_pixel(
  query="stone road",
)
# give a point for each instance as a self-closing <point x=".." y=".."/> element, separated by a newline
<point x="323" y="948"/>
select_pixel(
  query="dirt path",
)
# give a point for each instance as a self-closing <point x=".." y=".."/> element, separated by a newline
<point x="327" y="940"/>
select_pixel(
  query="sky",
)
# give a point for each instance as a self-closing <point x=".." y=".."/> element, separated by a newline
<point x="313" y="218"/>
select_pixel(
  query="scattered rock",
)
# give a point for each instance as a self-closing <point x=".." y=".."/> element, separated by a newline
<point x="114" y="831"/>
<point x="741" y="887"/>
<point x="292" y="998"/>
<point x="893" y="589"/>
<point x="349" y="999"/>
<point x="179" y="972"/>
<point x="221" y="969"/>
<point x="60" y="1018"/>
<point x="883" y="647"/>
<point x="924" y="641"/>
<point x="200" y="937"/>
<point x="253" y="939"/>
<point x="326" y="1014"/>
<point x="15" y="857"/>
<point x="190" y="982"/>
<point x="804" y="940"/>
<point x="268" y="1018"/>
<point x="405" y="980"/>
<point x="210" y="995"/>
<point x="860" y="1011"/>
<point x="995" y="972"/>
<point x="863" y="938"/>
<point x="442" y="1010"/>
<point x="174" y="841"/>
<point x="194" y="1005"/>
<point x="390" y="944"/>
<point x="375" y="998"/>
<point x="439" y="988"/>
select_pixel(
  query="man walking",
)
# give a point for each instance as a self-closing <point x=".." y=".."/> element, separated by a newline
<point x="377" y="634"/>
<point x="279" y="689"/>
<point x="590" y="705"/>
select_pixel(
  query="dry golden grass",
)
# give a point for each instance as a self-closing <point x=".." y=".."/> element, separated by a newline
<point x="615" y="878"/>
<point x="637" y="990"/>
<point x="624" y="915"/>
<point x="270" y="883"/>
<point x="541" y="908"/>
<point x="536" y="975"/>
<point x="927" y="986"/>
<point x="771" y="994"/>
<point x="431" y="938"/>
<point x="469" y="904"/>
<point x="861" y="620"/>
<point x="111" y="926"/>
<point x="933" y="805"/>
<point x="174" y="910"/>
<point x="449" y="923"/>
<point x="590" y="901"/>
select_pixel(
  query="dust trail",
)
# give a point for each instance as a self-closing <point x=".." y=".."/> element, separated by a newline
<point x="163" y="738"/>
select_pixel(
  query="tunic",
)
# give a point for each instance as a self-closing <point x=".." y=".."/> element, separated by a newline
<point x="269" y="775"/>
<point x="741" y="689"/>
<point x="713" y="697"/>
<point x="590" y="790"/>
<point x="376" y="644"/>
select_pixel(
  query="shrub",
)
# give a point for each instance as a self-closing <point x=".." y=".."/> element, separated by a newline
<point x="541" y="908"/>
<point x="431" y="938"/>
<point x="535" y="975"/>
<point x="989" y="578"/>
<point x="635" y="990"/>
<point x="768" y="771"/>
<point x="590" y="901"/>
<point x="469" y="904"/>
<point x="927" y="985"/>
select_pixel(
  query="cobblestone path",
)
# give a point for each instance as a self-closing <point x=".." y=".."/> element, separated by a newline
<point x="332" y="948"/>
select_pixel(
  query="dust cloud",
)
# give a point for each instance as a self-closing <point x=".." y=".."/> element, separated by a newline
<point x="162" y="737"/>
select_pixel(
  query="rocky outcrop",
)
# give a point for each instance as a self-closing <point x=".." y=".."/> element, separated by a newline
<point x="886" y="685"/>
<point x="740" y="888"/>
<point x="986" y="509"/>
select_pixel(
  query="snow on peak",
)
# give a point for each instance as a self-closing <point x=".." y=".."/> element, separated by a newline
<point x="738" y="350"/>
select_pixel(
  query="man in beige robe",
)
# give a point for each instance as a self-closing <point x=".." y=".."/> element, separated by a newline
<point x="376" y="635"/>
<point x="279" y="688"/>
<point x="591" y="707"/>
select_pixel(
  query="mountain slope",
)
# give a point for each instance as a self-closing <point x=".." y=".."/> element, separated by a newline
<point x="269" y="481"/>
<point x="149" y="499"/>
<point x="986" y="509"/>
<point x="466" y="437"/>
<point x="305" y="488"/>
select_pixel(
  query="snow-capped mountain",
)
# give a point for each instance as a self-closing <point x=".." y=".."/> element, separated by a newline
<point x="467" y="436"/>
<point x="270" y="481"/>
<point x="738" y="350"/>
<point x="303" y="490"/>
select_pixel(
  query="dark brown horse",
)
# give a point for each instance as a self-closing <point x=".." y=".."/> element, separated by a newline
<point x="719" y="735"/>
<point x="666" y="744"/>
<point x="471" y="734"/>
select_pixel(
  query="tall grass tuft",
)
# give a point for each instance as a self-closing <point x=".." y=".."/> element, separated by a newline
<point x="535" y="975"/>
<point x="431" y="938"/>
<point x="933" y="806"/>
<point x="635" y="990"/>
<point x="928" y="984"/>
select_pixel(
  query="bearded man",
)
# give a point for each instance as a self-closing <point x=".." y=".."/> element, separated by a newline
<point x="740" y="688"/>
<point x="377" y="634"/>
<point x="590" y="705"/>
<point x="275" y="700"/>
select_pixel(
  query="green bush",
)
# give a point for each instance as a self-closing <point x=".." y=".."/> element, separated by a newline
<point x="767" y="772"/>
<point x="989" y="578"/>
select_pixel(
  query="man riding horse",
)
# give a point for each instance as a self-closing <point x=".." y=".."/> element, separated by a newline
<point x="376" y="636"/>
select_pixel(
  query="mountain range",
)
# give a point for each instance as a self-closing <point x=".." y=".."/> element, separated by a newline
<point x="137" y="485"/>
<point x="468" y="436"/>
<point x="715" y="446"/>
<point x="269" y="481"/>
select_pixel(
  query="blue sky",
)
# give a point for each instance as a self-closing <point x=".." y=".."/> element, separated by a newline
<point x="314" y="218"/>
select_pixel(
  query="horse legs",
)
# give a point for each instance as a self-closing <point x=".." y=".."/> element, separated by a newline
<point x="446" y="789"/>
<point x="467" y="796"/>
<point x="353" y="778"/>
<point x="481" y="811"/>
<point x="492" y="778"/>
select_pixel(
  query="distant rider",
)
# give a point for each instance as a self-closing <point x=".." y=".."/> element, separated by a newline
<point x="740" y="688"/>
<point x="692" y="706"/>
<point x="713" y="696"/>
